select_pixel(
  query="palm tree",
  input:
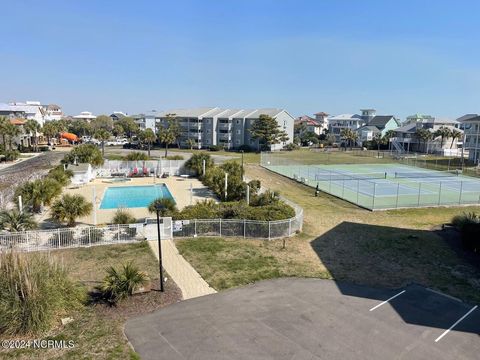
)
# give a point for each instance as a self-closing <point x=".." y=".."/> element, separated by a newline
<point x="11" y="130"/>
<point x="455" y="134"/>
<point x="148" y="137"/>
<point x="33" y="128"/>
<point x="70" y="207"/>
<point x="102" y="135"/>
<point x="15" y="220"/>
<point x="169" y="134"/>
<point x="424" y="135"/>
<point x="39" y="192"/>
<point x="167" y="206"/>
<point x="349" y="136"/>
<point x="50" y="130"/>
<point x="3" y="130"/>
<point x="191" y="143"/>
<point x="378" y="140"/>
<point x="444" y="132"/>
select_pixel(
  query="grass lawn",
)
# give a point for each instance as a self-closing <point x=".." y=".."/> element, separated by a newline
<point x="344" y="242"/>
<point x="97" y="330"/>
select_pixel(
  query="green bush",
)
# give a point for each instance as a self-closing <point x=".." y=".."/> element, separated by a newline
<point x="168" y="206"/>
<point x="123" y="216"/>
<point x="11" y="155"/>
<point x="215" y="148"/>
<point x="60" y="175"/>
<point x="119" y="284"/>
<point x="469" y="226"/>
<point x="136" y="156"/>
<point x="195" y="163"/>
<point x="291" y="147"/>
<point x="174" y="157"/>
<point x="85" y="153"/>
<point x="35" y="291"/>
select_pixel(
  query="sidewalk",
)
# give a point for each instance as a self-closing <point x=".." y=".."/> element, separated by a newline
<point x="184" y="275"/>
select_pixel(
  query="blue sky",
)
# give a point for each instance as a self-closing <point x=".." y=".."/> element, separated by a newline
<point x="400" y="57"/>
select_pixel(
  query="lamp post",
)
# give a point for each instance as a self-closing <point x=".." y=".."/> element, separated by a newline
<point x="158" y="209"/>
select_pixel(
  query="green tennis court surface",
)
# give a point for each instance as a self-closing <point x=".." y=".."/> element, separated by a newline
<point x="385" y="186"/>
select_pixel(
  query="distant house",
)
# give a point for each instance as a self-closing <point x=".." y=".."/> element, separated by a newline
<point x="310" y="125"/>
<point x="378" y="124"/>
<point x="30" y="110"/>
<point x="117" y="115"/>
<point x="344" y="121"/>
<point x="471" y="124"/>
<point x="406" y="136"/>
<point x="85" y="115"/>
<point x="53" y="112"/>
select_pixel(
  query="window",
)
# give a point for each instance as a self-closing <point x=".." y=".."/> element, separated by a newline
<point x="239" y="132"/>
<point x="238" y="122"/>
<point x="208" y="131"/>
<point x="207" y="121"/>
<point x="207" y="141"/>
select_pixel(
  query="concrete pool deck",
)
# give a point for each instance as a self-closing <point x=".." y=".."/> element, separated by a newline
<point x="179" y="188"/>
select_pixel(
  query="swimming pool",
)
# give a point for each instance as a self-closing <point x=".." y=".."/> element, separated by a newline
<point x="133" y="196"/>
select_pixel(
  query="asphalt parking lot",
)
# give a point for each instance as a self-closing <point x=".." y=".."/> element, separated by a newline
<point x="311" y="319"/>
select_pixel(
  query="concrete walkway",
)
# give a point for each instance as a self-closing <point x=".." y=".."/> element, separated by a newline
<point x="184" y="275"/>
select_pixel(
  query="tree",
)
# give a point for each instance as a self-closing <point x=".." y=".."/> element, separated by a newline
<point x="195" y="163"/>
<point x="148" y="137"/>
<point x="80" y="127"/>
<point x="102" y="135"/>
<point x="191" y="143"/>
<point x="33" y="128"/>
<point x="444" y="133"/>
<point x="378" y="140"/>
<point x="167" y="206"/>
<point x="129" y="126"/>
<point x="424" y="135"/>
<point x="169" y="132"/>
<point x="11" y="130"/>
<point x="455" y="134"/>
<point x="267" y="131"/>
<point x="50" y="130"/>
<point x="299" y="128"/>
<point x="15" y="220"/>
<point x="118" y="130"/>
<point x="102" y="122"/>
<point x="3" y="129"/>
<point x="308" y="138"/>
<point x="70" y="207"/>
<point x="349" y="136"/>
<point x="85" y="153"/>
<point x="38" y="192"/>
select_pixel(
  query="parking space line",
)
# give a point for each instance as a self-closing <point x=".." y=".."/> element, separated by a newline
<point x="386" y="301"/>
<point x="456" y="323"/>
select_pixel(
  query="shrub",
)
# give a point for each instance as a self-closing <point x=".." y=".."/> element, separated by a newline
<point x="60" y="175"/>
<point x="11" y="155"/>
<point x="291" y="146"/>
<point x="15" y="220"/>
<point x="136" y="156"/>
<point x="215" y="148"/>
<point x="123" y="216"/>
<point x="70" y="207"/>
<point x="38" y="192"/>
<point x="469" y="226"/>
<point x="34" y="291"/>
<point x="168" y="206"/>
<point x="174" y="157"/>
<point x="85" y="153"/>
<point x="195" y="163"/>
<point x="206" y="209"/>
<point x="119" y="284"/>
<point x="245" y="148"/>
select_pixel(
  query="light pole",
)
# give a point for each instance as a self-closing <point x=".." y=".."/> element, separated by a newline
<point x="159" y="208"/>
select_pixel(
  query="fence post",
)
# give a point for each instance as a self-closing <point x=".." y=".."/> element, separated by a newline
<point x="269" y="230"/>
<point x="58" y="236"/>
<point x="439" y="193"/>
<point x="118" y="232"/>
<point x="195" y="235"/>
<point x="89" y="236"/>
<point x="460" y="197"/>
<point x="419" y="191"/>
<point x="220" y="227"/>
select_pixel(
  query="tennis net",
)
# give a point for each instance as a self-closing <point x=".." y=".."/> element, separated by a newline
<point x="342" y="177"/>
<point x="432" y="174"/>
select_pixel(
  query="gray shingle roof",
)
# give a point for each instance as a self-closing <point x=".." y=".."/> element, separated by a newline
<point x="380" y="121"/>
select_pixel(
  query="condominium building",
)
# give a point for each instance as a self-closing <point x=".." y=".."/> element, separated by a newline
<point x="344" y="121"/>
<point x="229" y="128"/>
<point x="471" y="124"/>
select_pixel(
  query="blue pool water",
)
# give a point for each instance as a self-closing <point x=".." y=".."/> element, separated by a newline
<point x="133" y="196"/>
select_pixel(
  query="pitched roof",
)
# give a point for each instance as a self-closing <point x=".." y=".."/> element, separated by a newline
<point x="369" y="128"/>
<point x="321" y="113"/>
<point x="407" y="128"/>
<point x="380" y="121"/>
<point x="17" y="121"/>
<point x="346" y="117"/>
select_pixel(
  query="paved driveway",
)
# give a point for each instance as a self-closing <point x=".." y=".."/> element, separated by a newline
<point x="310" y="319"/>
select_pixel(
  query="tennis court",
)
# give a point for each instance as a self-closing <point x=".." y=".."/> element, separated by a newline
<point x="381" y="186"/>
